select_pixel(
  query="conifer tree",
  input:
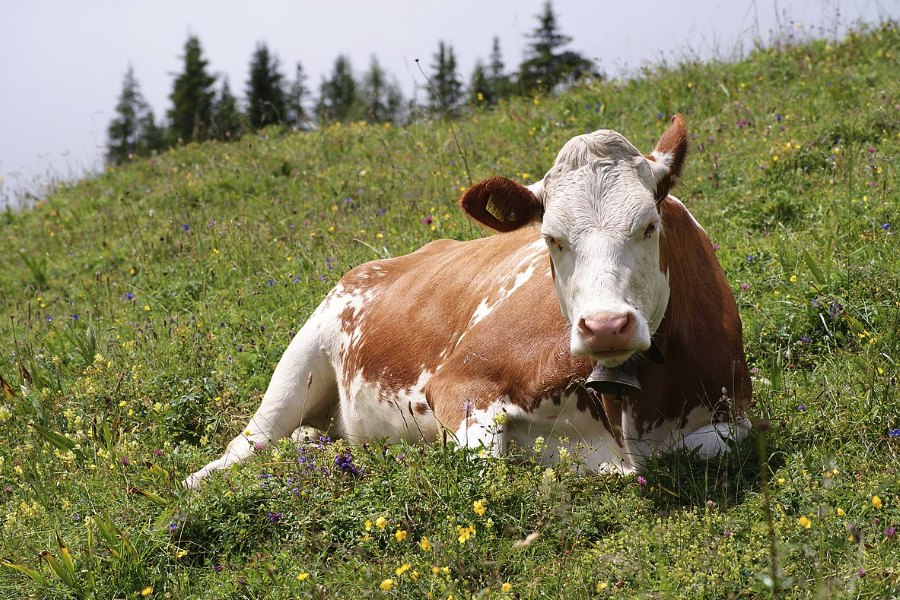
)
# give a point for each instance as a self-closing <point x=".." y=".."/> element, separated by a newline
<point x="548" y="66"/>
<point x="481" y="91"/>
<point x="338" y="94"/>
<point x="227" y="119"/>
<point x="445" y="89"/>
<point x="497" y="77"/>
<point x="296" y="98"/>
<point x="133" y="131"/>
<point x="266" y="102"/>
<point x="192" y="96"/>
<point x="381" y="99"/>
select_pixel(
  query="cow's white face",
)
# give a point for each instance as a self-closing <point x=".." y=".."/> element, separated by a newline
<point x="598" y="212"/>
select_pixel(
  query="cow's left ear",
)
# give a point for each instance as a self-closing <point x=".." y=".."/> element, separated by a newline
<point x="502" y="204"/>
<point x="669" y="153"/>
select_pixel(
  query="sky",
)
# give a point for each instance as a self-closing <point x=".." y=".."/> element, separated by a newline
<point x="62" y="63"/>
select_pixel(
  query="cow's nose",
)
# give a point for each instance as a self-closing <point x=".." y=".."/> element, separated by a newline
<point x="606" y="332"/>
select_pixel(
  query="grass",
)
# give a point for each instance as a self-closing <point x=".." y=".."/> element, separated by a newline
<point x="144" y="311"/>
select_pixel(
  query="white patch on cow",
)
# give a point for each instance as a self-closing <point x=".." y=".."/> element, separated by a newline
<point x="368" y="411"/>
<point x="524" y="264"/>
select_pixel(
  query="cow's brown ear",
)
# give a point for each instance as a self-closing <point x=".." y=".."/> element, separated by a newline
<point x="501" y="204"/>
<point x="670" y="152"/>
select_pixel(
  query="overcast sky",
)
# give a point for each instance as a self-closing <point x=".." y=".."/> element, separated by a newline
<point x="62" y="62"/>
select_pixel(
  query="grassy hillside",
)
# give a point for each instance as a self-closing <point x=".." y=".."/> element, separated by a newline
<point x="144" y="311"/>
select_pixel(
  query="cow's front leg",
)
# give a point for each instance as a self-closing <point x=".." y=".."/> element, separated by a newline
<point x="482" y="428"/>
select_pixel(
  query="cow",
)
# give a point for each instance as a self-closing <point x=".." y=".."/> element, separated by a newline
<point x="598" y="276"/>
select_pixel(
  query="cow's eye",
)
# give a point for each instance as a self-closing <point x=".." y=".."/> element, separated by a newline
<point x="651" y="229"/>
<point x="553" y="243"/>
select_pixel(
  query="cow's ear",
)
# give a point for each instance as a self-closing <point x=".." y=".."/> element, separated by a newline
<point x="669" y="153"/>
<point x="503" y="204"/>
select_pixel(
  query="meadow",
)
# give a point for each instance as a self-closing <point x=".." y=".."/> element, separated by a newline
<point x="144" y="309"/>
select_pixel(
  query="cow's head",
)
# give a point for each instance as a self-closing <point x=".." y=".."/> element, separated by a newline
<point x="598" y="210"/>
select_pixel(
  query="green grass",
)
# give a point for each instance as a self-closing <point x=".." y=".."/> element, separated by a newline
<point x="144" y="311"/>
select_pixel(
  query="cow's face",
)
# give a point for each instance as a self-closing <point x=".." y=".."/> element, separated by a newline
<point x="598" y="212"/>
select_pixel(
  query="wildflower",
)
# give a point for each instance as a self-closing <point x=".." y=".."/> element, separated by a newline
<point x="801" y="408"/>
<point x="745" y="286"/>
<point x="506" y="587"/>
<point x="403" y="568"/>
<point x="400" y="535"/>
<point x="185" y="227"/>
<point x="274" y="517"/>
<point x="465" y="533"/>
<point x="894" y="433"/>
<point x="478" y="507"/>
<point x="428" y="220"/>
<point x="172" y="527"/>
<point x="840" y="512"/>
<point x="641" y="481"/>
<point x="424" y="544"/>
<point x="368" y="524"/>
<point x="270" y="282"/>
<point x="805" y="522"/>
<point x="381" y="522"/>
<point x="806" y="339"/>
<point x="75" y="317"/>
<point x="861" y="572"/>
<point x="876" y="502"/>
<point x="217" y="568"/>
<point x="302" y="576"/>
<point x="890" y="532"/>
<point x="258" y="446"/>
<point x="715" y="247"/>
<point x="386" y="585"/>
<point x="885" y="226"/>
<point x="147" y="590"/>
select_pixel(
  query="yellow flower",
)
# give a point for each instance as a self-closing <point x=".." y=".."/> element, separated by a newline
<point x="386" y="585"/>
<point x="302" y="576"/>
<point x="414" y="575"/>
<point x="435" y="570"/>
<point x="400" y="535"/>
<point x="805" y="523"/>
<point x="425" y="544"/>
<point x="380" y="522"/>
<point x="506" y="587"/>
<point x="465" y="533"/>
<point x="147" y="590"/>
<point x="876" y="502"/>
<point x="182" y="553"/>
<point x="402" y="568"/>
<point x="368" y="524"/>
<point x="478" y="507"/>
<point x="793" y="278"/>
<point x="840" y="512"/>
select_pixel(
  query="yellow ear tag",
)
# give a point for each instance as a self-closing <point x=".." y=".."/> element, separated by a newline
<point x="493" y="210"/>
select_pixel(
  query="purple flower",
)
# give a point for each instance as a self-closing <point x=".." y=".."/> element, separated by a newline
<point x="801" y="408"/>
<point x="715" y="247"/>
<point x="862" y="572"/>
<point x="157" y="452"/>
<point x="172" y="527"/>
<point x="380" y="212"/>
<point x="835" y="309"/>
<point x="211" y="224"/>
<point x="322" y="277"/>
<point x="428" y="220"/>
<point x="129" y="296"/>
<point x="76" y="317"/>
<point x="745" y="286"/>
<point x="49" y="318"/>
<point x="806" y="339"/>
<point x="885" y="226"/>
<point x="890" y="532"/>
<point x="274" y="517"/>
<point x="217" y="568"/>
<point x="124" y="461"/>
<point x="185" y="227"/>
<point x="259" y="446"/>
<point x="270" y="282"/>
<point x="641" y="481"/>
<point x="894" y="433"/>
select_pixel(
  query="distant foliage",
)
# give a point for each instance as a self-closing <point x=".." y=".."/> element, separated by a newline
<point x="133" y="131"/>
<point x="266" y="100"/>
<point x="380" y="97"/>
<point x="192" y="97"/>
<point x="549" y="66"/>
<point x="296" y="99"/>
<point x="227" y="122"/>
<point x="445" y="90"/>
<point x="338" y="93"/>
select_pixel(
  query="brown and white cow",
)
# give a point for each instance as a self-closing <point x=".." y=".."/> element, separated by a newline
<point x="492" y="340"/>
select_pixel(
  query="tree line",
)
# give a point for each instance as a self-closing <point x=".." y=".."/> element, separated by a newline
<point x="201" y="111"/>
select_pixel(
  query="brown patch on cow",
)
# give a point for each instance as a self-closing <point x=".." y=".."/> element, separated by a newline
<point x="422" y="408"/>
<point x="700" y="335"/>
<point x="501" y="204"/>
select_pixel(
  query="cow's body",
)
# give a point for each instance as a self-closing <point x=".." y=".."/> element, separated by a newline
<point x="468" y="338"/>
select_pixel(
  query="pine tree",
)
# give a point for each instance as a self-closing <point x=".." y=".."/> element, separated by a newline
<point x="133" y="131"/>
<point x="497" y="77"/>
<point x="192" y="96"/>
<point x="296" y="97"/>
<point x="547" y="67"/>
<point x="227" y="123"/>
<point x="481" y="91"/>
<point x="338" y="95"/>
<point x="381" y="99"/>
<point x="445" y="89"/>
<point x="266" y="102"/>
